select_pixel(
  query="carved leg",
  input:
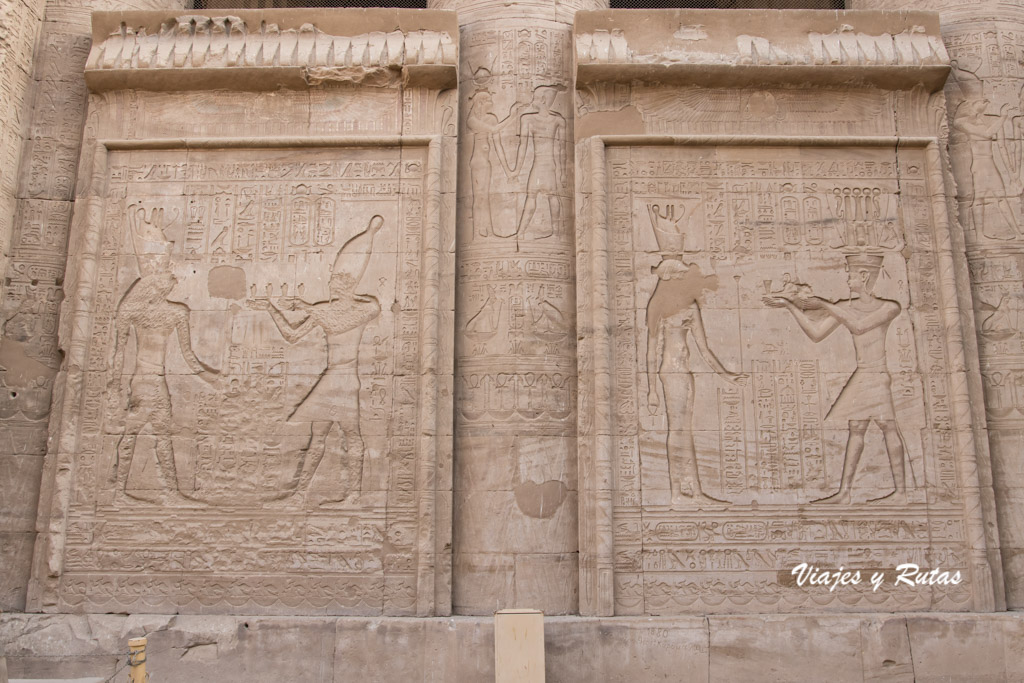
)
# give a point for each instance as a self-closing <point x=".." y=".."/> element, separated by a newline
<point x="684" y="478"/>
<point x="854" y="448"/>
<point x="897" y="454"/>
<point x="315" y="454"/>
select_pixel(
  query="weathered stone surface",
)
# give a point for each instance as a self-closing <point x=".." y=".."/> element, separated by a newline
<point x="719" y="648"/>
<point x="984" y="110"/>
<point x="706" y="505"/>
<point x="261" y="332"/>
<point x="256" y="384"/>
<point x="19" y="498"/>
<point x="251" y="51"/>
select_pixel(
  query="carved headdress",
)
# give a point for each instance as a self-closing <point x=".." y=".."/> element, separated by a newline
<point x="863" y="259"/>
<point x="151" y="245"/>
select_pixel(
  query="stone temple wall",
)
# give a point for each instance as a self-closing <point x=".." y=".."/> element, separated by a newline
<point x="321" y="326"/>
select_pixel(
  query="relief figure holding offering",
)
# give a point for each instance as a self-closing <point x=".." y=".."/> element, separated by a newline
<point x="673" y="316"/>
<point x="332" y="405"/>
<point x="867" y="395"/>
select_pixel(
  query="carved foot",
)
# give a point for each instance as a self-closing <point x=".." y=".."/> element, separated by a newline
<point x="699" y="499"/>
<point x="160" y="497"/>
<point x="840" y="497"/>
<point x="333" y="501"/>
<point x="894" y="497"/>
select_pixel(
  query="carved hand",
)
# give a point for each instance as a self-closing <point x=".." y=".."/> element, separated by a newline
<point x="652" y="401"/>
<point x="738" y="378"/>
<point x="809" y="303"/>
<point x="774" y="301"/>
<point x="257" y="304"/>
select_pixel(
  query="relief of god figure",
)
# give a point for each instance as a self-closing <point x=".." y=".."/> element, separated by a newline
<point x="543" y="131"/>
<point x="332" y="405"/>
<point x="485" y="140"/>
<point x="146" y="311"/>
<point x="978" y="142"/>
<point x="673" y="317"/>
<point x="867" y="395"/>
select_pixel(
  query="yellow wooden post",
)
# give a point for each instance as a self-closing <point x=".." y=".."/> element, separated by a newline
<point x="519" y="646"/>
<point x="137" y="661"/>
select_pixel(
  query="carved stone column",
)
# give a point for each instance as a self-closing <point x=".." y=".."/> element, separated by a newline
<point x="33" y="289"/>
<point x="20" y="23"/>
<point x="515" y="502"/>
<point x="985" y="107"/>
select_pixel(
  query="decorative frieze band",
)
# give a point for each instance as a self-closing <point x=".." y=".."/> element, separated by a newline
<point x="863" y="47"/>
<point x="137" y="50"/>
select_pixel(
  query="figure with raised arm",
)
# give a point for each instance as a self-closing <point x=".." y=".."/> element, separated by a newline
<point x="673" y="317"/>
<point x="332" y="405"/>
<point x="867" y="395"/>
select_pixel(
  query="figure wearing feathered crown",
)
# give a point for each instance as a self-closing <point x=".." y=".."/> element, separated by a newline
<point x="867" y="395"/>
<point x="332" y="405"/>
<point x="146" y="310"/>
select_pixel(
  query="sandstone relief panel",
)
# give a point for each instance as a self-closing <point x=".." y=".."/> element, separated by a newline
<point x="779" y="381"/>
<point x="254" y="410"/>
<point x="250" y="412"/>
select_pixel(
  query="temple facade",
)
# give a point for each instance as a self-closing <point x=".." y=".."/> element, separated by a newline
<point x="327" y="333"/>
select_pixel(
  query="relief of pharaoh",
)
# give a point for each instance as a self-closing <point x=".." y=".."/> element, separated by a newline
<point x="332" y="405"/>
<point x="146" y="310"/>
<point x="867" y="395"/>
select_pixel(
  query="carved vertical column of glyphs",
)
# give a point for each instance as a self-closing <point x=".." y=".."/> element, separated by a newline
<point x="985" y="109"/>
<point x="20" y="458"/>
<point x="515" y="482"/>
<point x="33" y="288"/>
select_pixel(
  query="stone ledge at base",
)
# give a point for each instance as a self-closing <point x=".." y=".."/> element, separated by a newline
<point x="852" y="647"/>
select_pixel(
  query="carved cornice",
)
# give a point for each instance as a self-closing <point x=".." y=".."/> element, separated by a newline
<point x="894" y="50"/>
<point x="262" y="50"/>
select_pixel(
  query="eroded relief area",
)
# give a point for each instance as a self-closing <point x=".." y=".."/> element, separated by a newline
<point x="781" y="389"/>
<point x="254" y="358"/>
<point x="985" y="106"/>
<point x="986" y="110"/>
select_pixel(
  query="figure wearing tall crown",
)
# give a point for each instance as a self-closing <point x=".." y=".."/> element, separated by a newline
<point x="867" y="395"/>
<point x="332" y="405"/>
<point x="147" y="310"/>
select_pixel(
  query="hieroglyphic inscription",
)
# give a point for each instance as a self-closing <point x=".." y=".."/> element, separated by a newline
<point x="723" y="403"/>
<point x="255" y="343"/>
<point x="515" y="387"/>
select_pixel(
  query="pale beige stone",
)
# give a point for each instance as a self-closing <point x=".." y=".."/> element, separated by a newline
<point x="266" y="335"/>
<point x="250" y="51"/>
<point x="518" y="646"/>
<point x="696" y="238"/>
<point x="770" y="151"/>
